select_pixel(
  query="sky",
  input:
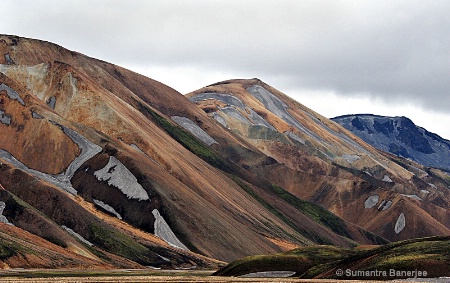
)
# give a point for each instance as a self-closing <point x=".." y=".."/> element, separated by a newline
<point x="336" y="57"/>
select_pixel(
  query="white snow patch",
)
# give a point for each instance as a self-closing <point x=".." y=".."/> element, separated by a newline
<point x="163" y="231"/>
<point x="3" y="218"/>
<point x="5" y="119"/>
<point x="351" y="158"/>
<point x="107" y="207"/>
<point x="385" y="205"/>
<point x="368" y="173"/>
<point x="76" y="235"/>
<point x="58" y="180"/>
<point x="220" y="119"/>
<point x="163" y="258"/>
<point x="425" y="192"/>
<point x="432" y="185"/>
<point x="120" y="177"/>
<point x="387" y="179"/>
<point x="275" y="105"/>
<point x="187" y="124"/>
<point x="269" y="274"/>
<point x="371" y="201"/>
<point x="412" y="196"/>
<point x="87" y="148"/>
<point x="400" y="224"/>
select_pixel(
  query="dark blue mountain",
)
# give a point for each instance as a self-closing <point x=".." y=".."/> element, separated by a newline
<point x="400" y="136"/>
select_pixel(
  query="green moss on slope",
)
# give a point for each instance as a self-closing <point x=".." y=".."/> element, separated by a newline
<point x="314" y="211"/>
<point x="187" y="140"/>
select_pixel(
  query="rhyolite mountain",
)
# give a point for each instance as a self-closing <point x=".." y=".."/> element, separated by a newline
<point x="102" y="167"/>
<point x="400" y="136"/>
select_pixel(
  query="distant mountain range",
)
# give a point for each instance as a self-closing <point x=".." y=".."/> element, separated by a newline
<point x="102" y="167"/>
<point x="400" y="136"/>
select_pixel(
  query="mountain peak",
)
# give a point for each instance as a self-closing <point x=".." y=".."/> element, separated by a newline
<point x="400" y="136"/>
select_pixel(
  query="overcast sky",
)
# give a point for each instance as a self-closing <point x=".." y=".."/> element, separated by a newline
<point x="336" y="57"/>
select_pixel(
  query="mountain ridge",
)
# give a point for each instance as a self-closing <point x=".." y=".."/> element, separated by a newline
<point x="136" y="168"/>
<point x="400" y="136"/>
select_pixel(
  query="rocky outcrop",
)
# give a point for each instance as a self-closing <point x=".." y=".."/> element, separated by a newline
<point x="400" y="136"/>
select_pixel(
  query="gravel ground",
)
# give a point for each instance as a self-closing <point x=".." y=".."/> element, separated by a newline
<point x="162" y="279"/>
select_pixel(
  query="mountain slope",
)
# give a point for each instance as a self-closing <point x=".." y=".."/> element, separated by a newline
<point x="400" y="136"/>
<point x="135" y="173"/>
<point x="112" y="165"/>
<point x="425" y="257"/>
<point x="320" y="161"/>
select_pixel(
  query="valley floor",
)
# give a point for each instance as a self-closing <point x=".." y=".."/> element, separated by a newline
<point x="162" y="276"/>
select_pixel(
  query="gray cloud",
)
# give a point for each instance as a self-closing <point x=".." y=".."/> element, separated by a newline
<point x="386" y="49"/>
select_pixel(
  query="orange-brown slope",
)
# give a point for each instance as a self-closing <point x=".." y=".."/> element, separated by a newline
<point x="210" y="211"/>
<point x="29" y="138"/>
<point x="21" y="249"/>
<point x="320" y="161"/>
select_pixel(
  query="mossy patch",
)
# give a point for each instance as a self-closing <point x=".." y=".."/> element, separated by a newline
<point x="187" y="140"/>
<point x="314" y="211"/>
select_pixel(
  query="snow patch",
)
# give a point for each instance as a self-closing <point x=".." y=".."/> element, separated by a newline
<point x="117" y="175"/>
<point x="412" y="196"/>
<point x="163" y="231"/>
<point x="219" y="119"/>
<point x="53" y="179"/>
<point x="387" y="179"/>
<point x="236" y="114"/>
<point x="351" y="158"/>
<point x="76" y="235"/>
<point x="368" y="173"/>
<point x="371" y="201"/>
<point x="432" y="185"/>
<point x="12" y="94"/>
<point x="400" y="224"/>
<point x="187" y="124"/>
<point x="87" y="150"/>
<point x="385" y="204"/>
<point x="275" y="105"/>
<point x="3" y="218"/>
<point x="51" y="102"/>
<point x="5" y="119"/>
<point x="36" y="115"/>
<point x="269" y="274"/>
<point x="107" y="207"/>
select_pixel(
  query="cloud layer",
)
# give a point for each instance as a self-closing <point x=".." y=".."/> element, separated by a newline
<point x="393" y="51"/>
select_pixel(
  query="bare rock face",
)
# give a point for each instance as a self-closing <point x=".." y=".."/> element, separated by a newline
<point x="101" y="163"/>
<point x="400" y="136"/>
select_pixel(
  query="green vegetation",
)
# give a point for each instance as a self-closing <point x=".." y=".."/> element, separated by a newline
<point x="6" y="251"/>
<point x="424" y="254"/>
<point x="186" y="139"/>
<point x="314" y="211"/>
<point x="119" y="243"/>
<point x="307" y="233"/>
<point x="50" y="273"/>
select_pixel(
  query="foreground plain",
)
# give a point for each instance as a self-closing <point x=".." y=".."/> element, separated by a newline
<point x="139" y="275"/>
